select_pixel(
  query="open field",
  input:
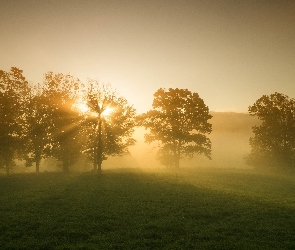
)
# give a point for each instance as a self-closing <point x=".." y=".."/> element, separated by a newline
<point x="133" y="209"/>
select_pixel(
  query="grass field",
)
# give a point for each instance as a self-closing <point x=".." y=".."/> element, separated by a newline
<point x="133" y="209"/>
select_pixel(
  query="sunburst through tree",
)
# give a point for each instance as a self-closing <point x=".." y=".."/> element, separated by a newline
<point x="109" y="123"/>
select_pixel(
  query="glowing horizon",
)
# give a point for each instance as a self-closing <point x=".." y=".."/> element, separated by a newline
<point x="229" y="52"/>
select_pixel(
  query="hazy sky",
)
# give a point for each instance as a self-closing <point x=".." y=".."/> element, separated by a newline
<point x="231" y="52"/>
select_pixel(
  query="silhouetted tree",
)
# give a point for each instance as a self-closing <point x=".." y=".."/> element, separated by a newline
<point x="37" y="138"/>
<point x="179" y="120"/>
<point x="273" y="144"/>
<point x="61" y="92"/>
<point x="109" y="125"/>
<point x="13" y="93"/>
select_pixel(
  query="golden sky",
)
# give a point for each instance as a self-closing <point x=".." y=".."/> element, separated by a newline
<point x="229" y="51"/>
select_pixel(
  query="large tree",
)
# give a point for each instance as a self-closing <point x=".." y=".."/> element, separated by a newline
<point x="37" y="130"/>
<point x="273" y="144"/>
<point x="61" y="92"/>
<point x="13" y="98"/>
<point x="110" y="124"/>
<point x="179" y="120"/>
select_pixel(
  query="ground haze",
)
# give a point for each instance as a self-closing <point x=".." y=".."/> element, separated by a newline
<point x="230" y="144"/>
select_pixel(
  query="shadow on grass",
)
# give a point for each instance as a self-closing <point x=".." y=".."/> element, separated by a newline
<point x="134" y="210"/>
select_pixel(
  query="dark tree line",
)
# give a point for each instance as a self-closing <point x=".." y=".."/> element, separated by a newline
<point x="47" y="121"/>
<point x="14" y="91"/>
<point x="65" y="119"/>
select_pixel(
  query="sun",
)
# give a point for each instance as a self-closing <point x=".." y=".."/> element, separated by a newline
<point x="82" y="107"/>
<point x="107" y="112"/>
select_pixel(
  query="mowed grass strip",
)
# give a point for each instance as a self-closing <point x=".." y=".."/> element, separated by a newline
<point x="196" y="209"/>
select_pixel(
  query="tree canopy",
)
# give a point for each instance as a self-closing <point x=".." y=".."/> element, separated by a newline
<point x="61" y="92"/>
<point x="62" y="119"/>
<point x="38" y="141"/>
<point x="273" y="144"/>
<point x="13" y="99"/>
<point x="179" y="120"/>
<point x="110" y="124"/>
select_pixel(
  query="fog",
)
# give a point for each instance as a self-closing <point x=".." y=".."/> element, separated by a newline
<point x="230" y="140"/>
<point x="230" y="143"/>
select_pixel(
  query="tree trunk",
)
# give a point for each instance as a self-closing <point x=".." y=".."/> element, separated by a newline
<point x="99" y="148"/>
<point x="7" y="166"/>
<point x="99" y="163"/>
<point x="37" y="167"/>
<point x="38" y="160"/>
<point x="95" y="159"/>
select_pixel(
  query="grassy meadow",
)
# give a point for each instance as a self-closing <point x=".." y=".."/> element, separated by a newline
<point x="133" y="209"/>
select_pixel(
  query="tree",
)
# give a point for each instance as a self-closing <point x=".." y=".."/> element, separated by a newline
<point x="109" y="125"/>
<point x="37" y="139"/>
<point x="273" y="144"/>
<point x="61" y="92"/>
<point x="179" y="120"/>
<point x="13" y="92"/>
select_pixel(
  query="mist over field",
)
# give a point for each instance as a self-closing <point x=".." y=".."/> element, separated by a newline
<point x="230" y="143"/>
<point x="230" y="140"/>
<point x="82" y="82"/>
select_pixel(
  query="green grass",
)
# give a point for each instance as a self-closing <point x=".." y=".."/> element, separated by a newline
<point x="189" y="209"/>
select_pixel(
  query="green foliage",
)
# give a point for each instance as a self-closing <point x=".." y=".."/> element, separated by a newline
<point x="179" y="120"/>
<point x="13" y="93"/>
<point x="109" y="124"/>
<point x="195" y="209"/>
<point x="273" y="144"/>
